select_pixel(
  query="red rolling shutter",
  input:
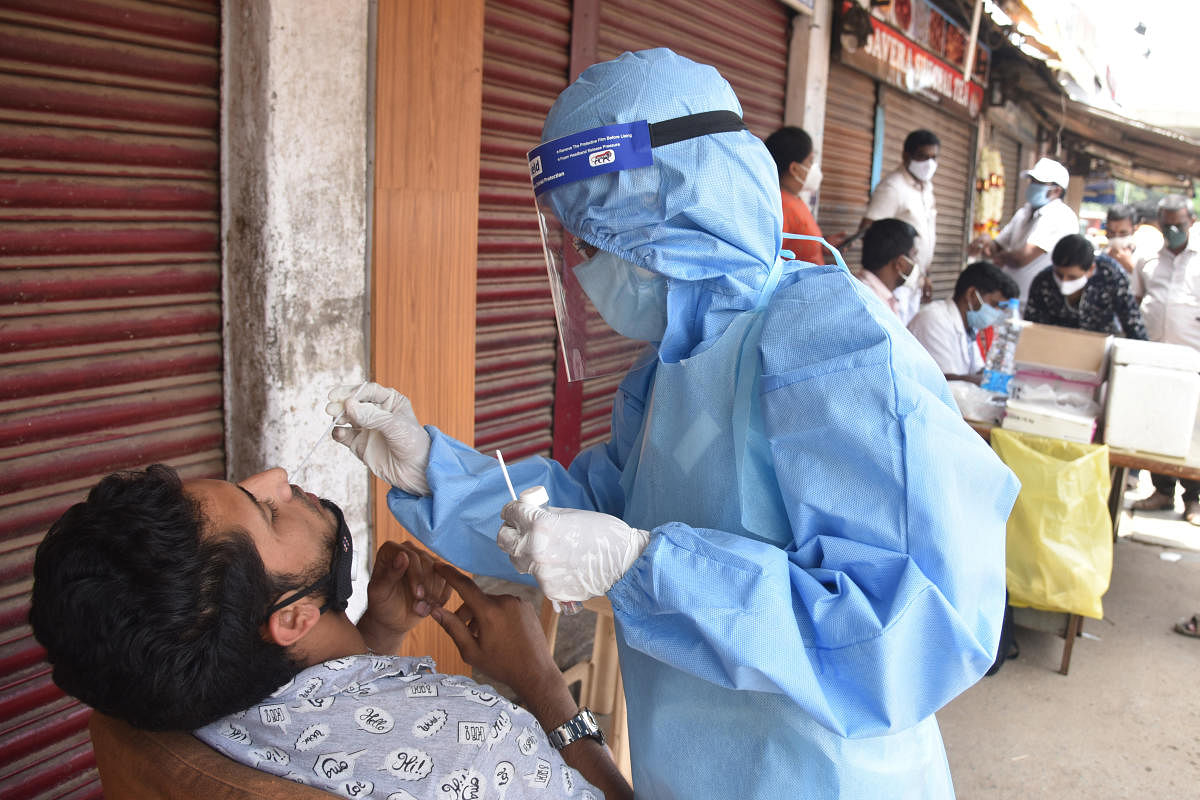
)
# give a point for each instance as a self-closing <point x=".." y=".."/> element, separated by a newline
<point x="110" y="349"/>
<point x="525" y="61"/>
<point x="846" y="156"/>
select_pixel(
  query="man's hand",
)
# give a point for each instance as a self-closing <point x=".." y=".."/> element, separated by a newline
<point x="499" y="635"/>
<point x="982" y="245"/>
<point x="384" y="433"/>
<point x="926" y="288"/>
<point x="1123" y="256"/>
<point x="403" y="589"/>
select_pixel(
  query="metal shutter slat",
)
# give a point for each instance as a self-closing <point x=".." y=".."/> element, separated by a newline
<point x="525" y="62"/>
<point x="110" y="317"/>
<point x="846" y="155"/>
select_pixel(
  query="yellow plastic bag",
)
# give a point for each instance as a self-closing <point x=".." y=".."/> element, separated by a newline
<point x="1059" y="534"/>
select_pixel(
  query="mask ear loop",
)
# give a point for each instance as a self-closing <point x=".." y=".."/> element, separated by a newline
<point x="837" y="256"/>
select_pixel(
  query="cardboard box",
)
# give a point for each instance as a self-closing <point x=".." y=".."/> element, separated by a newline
<point x="1153" y="396"/>
<point x="1070" y="354"/>
<point x="1048" y="421"/>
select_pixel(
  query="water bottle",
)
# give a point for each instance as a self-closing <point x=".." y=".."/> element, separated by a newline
<point x="1000" y="367"/>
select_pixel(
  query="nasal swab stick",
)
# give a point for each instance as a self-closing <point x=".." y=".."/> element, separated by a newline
<point x="504" y="469"/>
<point x="325" y="435"/>
<point x="567" y="606"/>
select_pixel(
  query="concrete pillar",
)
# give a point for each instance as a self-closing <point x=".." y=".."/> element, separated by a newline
<point x="295" y="185"/>
<point x="808" y="70"/>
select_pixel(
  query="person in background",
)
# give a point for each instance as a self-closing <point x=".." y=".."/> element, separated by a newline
<point x="219" y="608"/>
<point x="1171" y="306"/>
<point x="799" y="173"/>
<point x="907" y="193"/>
<point x="1118" y="229"/>
<point x="1023" y="246"/>
<point x="947" y="328"/>
<point x="1084" y="290"/>
<point x="889" y="256"/>
<point x="1147" y="238"/>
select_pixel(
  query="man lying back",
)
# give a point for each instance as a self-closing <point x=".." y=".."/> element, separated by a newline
<point x="220" y="607"/>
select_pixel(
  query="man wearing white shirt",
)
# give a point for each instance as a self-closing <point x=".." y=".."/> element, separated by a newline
<point x="1171" y="307"/>
<point x="1023" y="247"/>
<point x="947" y="328"/>
<point x="907" y="193"/>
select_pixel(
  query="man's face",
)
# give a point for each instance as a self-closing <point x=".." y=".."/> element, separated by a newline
<point x="922" y="153"/>
<point x="293" y="532"/>
<point x="1053" y="190"/>
<point x="1118" y="227"/>
<point x="992" y="298"/>
<point x="905" y="264"/>
<point x="1073" y="272"/>
<point x="1179" y="218"/>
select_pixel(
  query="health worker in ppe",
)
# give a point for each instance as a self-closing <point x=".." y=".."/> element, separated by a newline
<point x="802" y="541"/>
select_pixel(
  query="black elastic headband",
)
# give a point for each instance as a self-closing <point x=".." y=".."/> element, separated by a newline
<point x="670" y="131"/>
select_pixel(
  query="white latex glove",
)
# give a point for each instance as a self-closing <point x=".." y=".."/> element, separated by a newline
<point x="384" y="433"/>
<point x="573" y="554"/>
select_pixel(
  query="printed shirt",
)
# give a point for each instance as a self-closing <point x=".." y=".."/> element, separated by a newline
<point x="797" y="218"/>
<point x="940" y="330"/>
<point x="1042" y="228"/>
<point x="1105" y="302"/>
<point x="392" y="727"/>
<point x="1172" y="286"/>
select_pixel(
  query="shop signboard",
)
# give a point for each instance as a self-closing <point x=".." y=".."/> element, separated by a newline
<point x="916" y="47"/>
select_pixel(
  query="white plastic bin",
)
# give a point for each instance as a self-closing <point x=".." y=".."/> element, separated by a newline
<point x="1153" y="394"/>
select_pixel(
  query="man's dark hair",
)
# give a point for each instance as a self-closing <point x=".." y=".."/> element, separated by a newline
<point x="1073" y="250"/>
<point x="918" y="139"/>
<point x="884" y="240"/>
<point x="149" y="617"/>
<point x="788" y="144"/>
<point x="1121" y="211"/>
<point x="986" y="277"/>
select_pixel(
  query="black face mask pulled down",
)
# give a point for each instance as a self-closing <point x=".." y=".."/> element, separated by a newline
<point x="337" y="596"/>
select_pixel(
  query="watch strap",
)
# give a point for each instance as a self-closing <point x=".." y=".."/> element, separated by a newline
<point x="577" y="727"/>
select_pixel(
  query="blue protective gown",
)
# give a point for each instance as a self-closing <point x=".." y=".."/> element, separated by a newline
<point x="826" y="564"/>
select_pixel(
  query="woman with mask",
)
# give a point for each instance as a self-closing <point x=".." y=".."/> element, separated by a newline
<point x="947" y="328"/>
<point x="799" y="177"/>
<point x="1084" y="290"/>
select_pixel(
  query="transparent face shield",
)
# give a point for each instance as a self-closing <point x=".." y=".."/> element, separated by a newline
<point x="606" y="308"/>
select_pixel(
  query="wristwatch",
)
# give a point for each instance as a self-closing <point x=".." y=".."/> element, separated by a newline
<point x="581" y="725"/>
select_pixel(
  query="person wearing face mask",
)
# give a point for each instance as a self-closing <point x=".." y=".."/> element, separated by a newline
<point x="218" y="608"/>
<point x="907" y="193"/>
<point x="1084" y="290"/>
<point x="1118" y="229"/>
<point x="1023" y="246"/>
<point x="889" y="256"/>
<point x="799" y="177"/>
<point x="1171" y="306"/>
<point x="947" y="328"/>
<point x="801" y="539"/>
